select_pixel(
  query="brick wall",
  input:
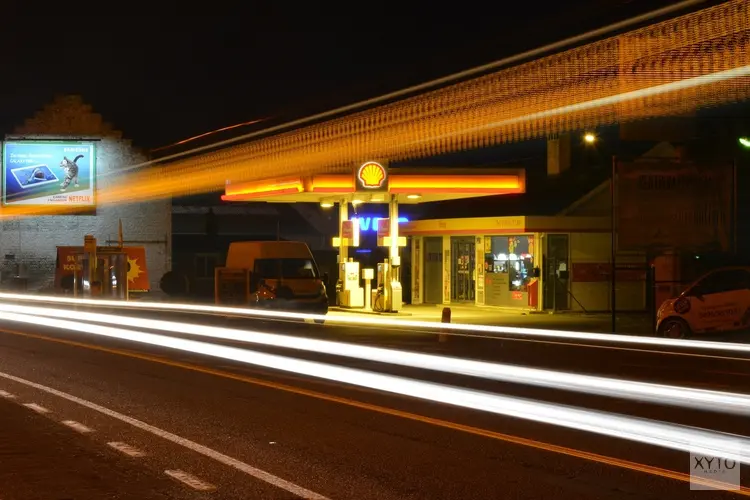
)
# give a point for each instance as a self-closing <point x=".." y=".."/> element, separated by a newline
<point x="31" y="241"/>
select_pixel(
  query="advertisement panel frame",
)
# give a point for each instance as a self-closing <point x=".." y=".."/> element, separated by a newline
<point x="693" y="208"/>
<point x="42" y="207"/>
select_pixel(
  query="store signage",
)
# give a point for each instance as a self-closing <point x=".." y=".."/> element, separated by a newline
<point x="49" y="173"/>
<point x="371" y="176"/>
<point x="370" y="224"/>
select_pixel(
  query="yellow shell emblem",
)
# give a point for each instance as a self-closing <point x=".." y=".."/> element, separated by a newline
<point x="371" y="175"/>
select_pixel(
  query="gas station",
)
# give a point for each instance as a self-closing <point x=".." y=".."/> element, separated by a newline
<point x="372" y="182"/>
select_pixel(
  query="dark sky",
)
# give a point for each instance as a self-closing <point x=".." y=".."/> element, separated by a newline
<point x="161" y="79"/>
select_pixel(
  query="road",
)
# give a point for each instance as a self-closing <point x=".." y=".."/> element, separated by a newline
<point x="227" y="429"/>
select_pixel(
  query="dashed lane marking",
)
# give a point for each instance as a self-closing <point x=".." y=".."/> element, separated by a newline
<point x="179" y="440"/>
<point x="78" y="426"/>
<point x="190" y="480"/>
<point x="7" y="395"/>
<point x="37" y="408"/>
<point x="125" y="448"/>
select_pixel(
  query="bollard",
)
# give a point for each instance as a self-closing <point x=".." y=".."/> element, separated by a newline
<point x="445" y="318"/>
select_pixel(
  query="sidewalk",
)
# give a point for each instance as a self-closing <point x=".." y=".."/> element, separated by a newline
<point x="634" y="323"/>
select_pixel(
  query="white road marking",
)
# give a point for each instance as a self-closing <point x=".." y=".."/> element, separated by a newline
<point x="186" y="443"/>
<point x="78" y="426"/>
<point x="37" y="408"/>
<point x="7" y="395"/>
<point x="125" y="448"/>
<point x="190" y="480"/>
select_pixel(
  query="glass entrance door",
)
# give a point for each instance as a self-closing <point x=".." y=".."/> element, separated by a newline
<point x="556" y="273"/>
<point x="462" y="269"/>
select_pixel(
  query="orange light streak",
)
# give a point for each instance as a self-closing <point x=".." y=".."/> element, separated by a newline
<point x="610" y="81"/>
<point x="206" y="134"/>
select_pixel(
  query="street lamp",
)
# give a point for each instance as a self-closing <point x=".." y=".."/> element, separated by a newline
<point x="745" y="142"/>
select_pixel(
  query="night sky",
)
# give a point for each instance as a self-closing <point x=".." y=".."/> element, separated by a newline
<point x="161" y="79"/>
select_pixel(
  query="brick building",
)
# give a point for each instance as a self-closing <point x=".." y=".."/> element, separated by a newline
<point x="28" y="244"/>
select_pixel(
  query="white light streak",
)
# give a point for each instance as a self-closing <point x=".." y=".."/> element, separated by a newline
<point x="381" y="321"/>
<point x="701" y="399"/>
<point x="676" y="437"/>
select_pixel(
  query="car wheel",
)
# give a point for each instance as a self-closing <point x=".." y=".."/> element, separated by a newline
<point x="674" y="328"/>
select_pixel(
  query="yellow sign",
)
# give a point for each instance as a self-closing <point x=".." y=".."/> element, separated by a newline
<point x="372" y="176"/>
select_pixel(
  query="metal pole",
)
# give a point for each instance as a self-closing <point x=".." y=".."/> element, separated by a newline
<point x="734" y="208"/>
<point x="613" y="244"/>
<point x="554" y="285"/>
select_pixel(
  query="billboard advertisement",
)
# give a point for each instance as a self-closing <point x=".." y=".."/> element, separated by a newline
<point x="665" y="204"/>
<point x="49" y="173"/>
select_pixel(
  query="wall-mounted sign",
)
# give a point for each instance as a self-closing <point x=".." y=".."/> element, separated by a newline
<point x="370" y="224"/>
<point x="49" y="173"/>
<point x="371" y="176"/>
<point x="668" y="204"/>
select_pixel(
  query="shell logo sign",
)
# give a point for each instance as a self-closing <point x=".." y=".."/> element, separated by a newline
<point x="372" y="175"/>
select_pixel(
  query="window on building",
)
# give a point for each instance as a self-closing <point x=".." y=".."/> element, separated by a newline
<point x="205" y="265"/>
<point x="511" y="255"/>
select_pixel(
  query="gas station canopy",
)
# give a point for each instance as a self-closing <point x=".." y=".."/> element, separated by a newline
<point x="374" y="182"/>
<point x="408" y="186"/>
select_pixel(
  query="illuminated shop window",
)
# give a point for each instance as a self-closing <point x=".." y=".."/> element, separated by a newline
<point x="514" y="256"/>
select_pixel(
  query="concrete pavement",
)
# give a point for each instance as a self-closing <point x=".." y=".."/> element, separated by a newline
<point x="630" y="323"/>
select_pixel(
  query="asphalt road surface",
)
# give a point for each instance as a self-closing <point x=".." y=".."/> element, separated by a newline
<point x="120" y="419"/>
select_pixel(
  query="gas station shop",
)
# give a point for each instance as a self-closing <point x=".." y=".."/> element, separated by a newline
<point x="527" y="263"/>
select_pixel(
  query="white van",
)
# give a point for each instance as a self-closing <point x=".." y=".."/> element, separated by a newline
<point x="272" y="274"/>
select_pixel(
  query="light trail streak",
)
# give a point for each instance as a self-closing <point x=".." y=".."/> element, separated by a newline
<point x="650" y="432"/>
<point x="619" y="79"/>
<point x="489" y="330"/>
<point x="608" y="101"/>
<point x="702" y="399"/>
<point x="537" y="52"/>
<point x="206" y="134"/>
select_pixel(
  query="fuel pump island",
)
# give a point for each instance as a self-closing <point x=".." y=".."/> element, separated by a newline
<point x="374" y="182"/>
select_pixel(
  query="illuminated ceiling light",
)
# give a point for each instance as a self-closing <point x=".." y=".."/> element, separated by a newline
<point x="326" y="204"/>
<point x="357" y="201"/>
<point x="745" y="142"/>
<point x="413" y="196"/>
<point x="589" y="138"/>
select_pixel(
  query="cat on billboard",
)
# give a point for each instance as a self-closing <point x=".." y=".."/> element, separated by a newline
<point x="49" y="173"/>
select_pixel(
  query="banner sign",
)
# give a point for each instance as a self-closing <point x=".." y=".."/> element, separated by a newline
<point x="667" y="204"/>
<point x="49" y="173"/>
<point x="137" y="271"/>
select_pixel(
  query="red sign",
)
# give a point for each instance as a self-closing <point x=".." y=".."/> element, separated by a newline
<point x="347" y="230"/>
<point x="583" y="272"/>
<point x="137" y="269"/>
<point x="384" y="228"/>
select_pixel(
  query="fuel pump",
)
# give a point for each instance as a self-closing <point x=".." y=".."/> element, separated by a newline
<point x="103" y="272"/>
<point x="388" y="297"/>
